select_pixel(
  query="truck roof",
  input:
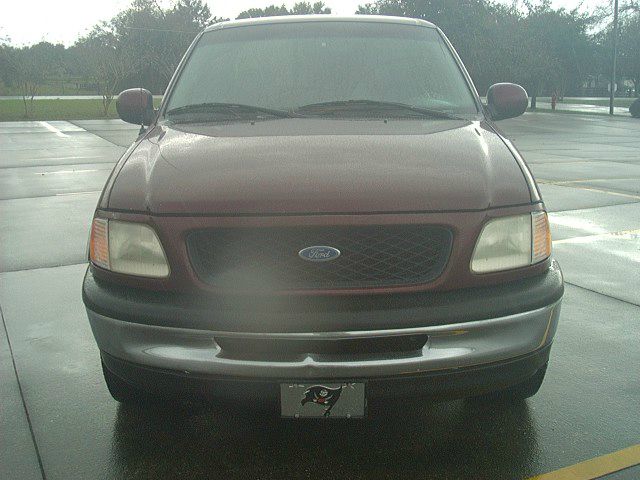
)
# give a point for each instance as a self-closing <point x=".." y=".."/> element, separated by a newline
<point x="319" y="18"/>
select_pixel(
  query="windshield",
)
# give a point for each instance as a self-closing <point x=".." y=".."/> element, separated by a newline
<point x="308" y="66"/>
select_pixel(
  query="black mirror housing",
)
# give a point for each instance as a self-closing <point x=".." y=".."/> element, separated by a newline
<point x="506" y="100"/>
<point x="135" y="105"/>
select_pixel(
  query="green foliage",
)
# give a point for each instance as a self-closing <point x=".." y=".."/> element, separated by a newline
<point x="300" y="8"/>
<point x="628" y="42"/>
<point x="146" y="40"/>
<point x="368" y="9"/>
<point x="629" y="46"/>
<point x="143" y="44"/>
<point x="12" y="110"/>
<point x="270" y="11"/>
<point x="26" y="68"/>
<point x="140" y="46"/>
<point x="562" y="48"/>
<point x="542" y="48"/>
<point x="306" y="8"/>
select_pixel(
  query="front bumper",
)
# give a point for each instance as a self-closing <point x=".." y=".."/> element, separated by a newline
<point x="449" y="347"/>
<point x="441" y="384"/>
<point x="525" y="329"/>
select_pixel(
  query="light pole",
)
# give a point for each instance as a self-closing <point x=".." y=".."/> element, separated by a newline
<point x="612" y="88"/>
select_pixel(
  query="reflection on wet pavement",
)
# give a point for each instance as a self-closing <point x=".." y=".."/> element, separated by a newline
<point x="402" y="440"/>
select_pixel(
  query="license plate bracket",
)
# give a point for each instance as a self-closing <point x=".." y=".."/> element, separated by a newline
<point x="323" y="400"/>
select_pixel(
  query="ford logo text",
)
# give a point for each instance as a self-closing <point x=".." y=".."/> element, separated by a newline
<point x="319" y="254"/>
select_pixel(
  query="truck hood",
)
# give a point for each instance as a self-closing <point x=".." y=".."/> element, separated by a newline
<point x="313" y="166"/>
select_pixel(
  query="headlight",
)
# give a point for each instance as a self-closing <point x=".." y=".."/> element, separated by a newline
<point x="127" y="247"/>
<point x="512" y="242"/>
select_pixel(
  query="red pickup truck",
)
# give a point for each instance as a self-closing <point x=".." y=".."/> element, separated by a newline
<point x="322" y="212"/>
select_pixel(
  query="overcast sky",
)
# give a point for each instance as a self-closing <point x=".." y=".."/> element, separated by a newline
<point x="30" y="21"/>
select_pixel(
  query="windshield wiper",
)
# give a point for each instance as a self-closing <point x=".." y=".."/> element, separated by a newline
<point x="369" y="105"/>
<point x="238" y="110"/>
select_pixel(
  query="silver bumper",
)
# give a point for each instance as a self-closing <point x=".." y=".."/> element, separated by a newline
<point x="449" y="346"/>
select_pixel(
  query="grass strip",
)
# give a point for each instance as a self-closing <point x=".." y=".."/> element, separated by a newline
<point x="58" y="109"/>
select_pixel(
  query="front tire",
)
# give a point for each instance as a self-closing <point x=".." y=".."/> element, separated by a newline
<point x="517" y="392"/>
<point x="120" y="390"/>
<point x="634" y="109"/>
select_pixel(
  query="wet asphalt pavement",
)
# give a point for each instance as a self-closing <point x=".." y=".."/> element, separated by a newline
<point x="58" y="421"/>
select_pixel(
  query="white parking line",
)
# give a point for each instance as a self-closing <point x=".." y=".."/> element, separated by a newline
<point x="626" y="234"/>
<point x="66" y="171"/>
<point x="77" y="193"/>
<point x="53" y="129"/>
<point x="584" y="180"/>
<point x="569" y="184"/>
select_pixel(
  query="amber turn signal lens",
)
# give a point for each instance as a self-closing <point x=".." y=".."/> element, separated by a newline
<point x="99" y="243"/>
<point x="541" y="237"/>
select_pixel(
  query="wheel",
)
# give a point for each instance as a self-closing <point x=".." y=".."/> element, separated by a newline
<point x="517" y="392"/>
<point x="528" y="388"/>
<point x="634" y="109"/>
<point x="120" y="390"/>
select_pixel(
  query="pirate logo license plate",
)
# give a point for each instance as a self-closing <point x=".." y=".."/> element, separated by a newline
<point x="322" y="400"/>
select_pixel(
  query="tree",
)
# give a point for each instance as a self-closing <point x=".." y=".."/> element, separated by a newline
<point x="542" y="48"/>
<point x="556" y="49"/>
<point x="106" y="62"/>
<point x="28" y="67"/>
<point x="477" y="29"/>
<point x="368" y="9"/>
<point x="270" y="11"/>
<point x="183" y="22"/>
<point x="528" y="42"/>
<point x="6" y="63"/>
<point x="628" y="41"/>
<point x="142" y="45"/>
<point x="300" y="8"/>
<point x="305" y="8"/>
<point x="629" y="48"/>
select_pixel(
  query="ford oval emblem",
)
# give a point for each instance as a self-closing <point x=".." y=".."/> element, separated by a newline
<point x="319" y="253"/>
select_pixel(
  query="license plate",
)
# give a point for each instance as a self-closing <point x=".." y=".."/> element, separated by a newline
<point x="322" y="400"/>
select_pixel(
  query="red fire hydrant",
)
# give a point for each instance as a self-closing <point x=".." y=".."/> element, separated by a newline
<point x="554" y="101"/>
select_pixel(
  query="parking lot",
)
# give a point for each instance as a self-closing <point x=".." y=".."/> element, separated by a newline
<point x="57" y="420"/>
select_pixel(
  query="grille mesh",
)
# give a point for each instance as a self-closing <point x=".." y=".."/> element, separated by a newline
<point x="267" y="258"/>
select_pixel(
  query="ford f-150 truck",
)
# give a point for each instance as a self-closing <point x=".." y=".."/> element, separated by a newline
<point x="322" y="211"/>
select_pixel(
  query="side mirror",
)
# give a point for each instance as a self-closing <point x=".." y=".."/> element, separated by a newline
<point x="506" y="100"/>
<point x="135" y="106"/>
